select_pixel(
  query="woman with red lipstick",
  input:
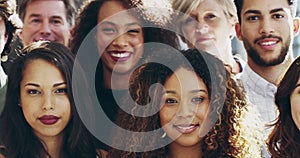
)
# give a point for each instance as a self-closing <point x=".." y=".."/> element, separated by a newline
<point x="39" y="117"/>
<point x="201" y="111"/>
<point x="210" y="26"/>
<point x="115" y="32"/>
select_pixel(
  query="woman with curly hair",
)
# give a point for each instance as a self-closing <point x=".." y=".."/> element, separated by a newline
<point x="284" y="139"/>
<point x="118" y="35"/>
<point x="40" y="119"/>
<point x="192" y="105"/>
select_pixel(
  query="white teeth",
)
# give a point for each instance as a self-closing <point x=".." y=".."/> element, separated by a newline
<point x="268" y="43"/>
<point x="186" y="127"/>
<point x="120" y="55"/>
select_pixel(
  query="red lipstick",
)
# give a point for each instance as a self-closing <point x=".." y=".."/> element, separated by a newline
<point x="49" y="119"/>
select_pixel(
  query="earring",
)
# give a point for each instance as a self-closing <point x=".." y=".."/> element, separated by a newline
<point x="164" y="135"/>
<point x="19" y="105"/>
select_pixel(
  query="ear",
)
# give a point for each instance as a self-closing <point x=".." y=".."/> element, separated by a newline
<point x="238" y="31"/>
<point x="21" y="34"/>
<point x="296" y="25"/>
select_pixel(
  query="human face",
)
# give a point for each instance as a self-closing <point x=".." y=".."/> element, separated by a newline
<point x="3" y="37"/>
<point x="184" y="107"/>
<point x="266" y="29"/>
<point x="295" y="104"/>
<point x="45" y="20"/>
<point x="119" y="38"/>
<point x="209" y="29"/>
<point x="44" y="100"/>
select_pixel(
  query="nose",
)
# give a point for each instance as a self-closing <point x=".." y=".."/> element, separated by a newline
<point x="185" y="110"/>
<point x="45" y="29"/>
<point x="48" y="103"/>
<point x="120" y="41"/>
<point x="266" y="27"/>
<point x="201" y="27"/>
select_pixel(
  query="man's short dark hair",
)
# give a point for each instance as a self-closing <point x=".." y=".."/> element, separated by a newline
<point x="69" y="5"/>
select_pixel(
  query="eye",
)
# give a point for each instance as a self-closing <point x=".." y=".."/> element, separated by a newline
<point x="252" y="18"/>
<point x="56" y="21"/>
<point x="197" y="100"/>
<point x="278" y="16"/>
<point x="189" y="20"/>
<point x="108" y="30"/>
<point x="171" y="101"/>
<point x="61" y="90"/>
<point x="33" y="91"/>
<point x="35" y="20"/>
<point x="133" y="31"/>
<point x="210" y="16"/>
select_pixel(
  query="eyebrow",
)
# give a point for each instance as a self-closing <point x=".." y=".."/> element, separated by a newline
<point x="297" y="85"/>
<point x="192" y="91"/>
<point x="251" y="11"/>
<point x="111" y="23"/>
<point x="37" y="85"/>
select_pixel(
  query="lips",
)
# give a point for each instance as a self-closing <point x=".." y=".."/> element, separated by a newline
<point x="48" y="119"/>
<point x="203" y="39"/>
<point x="43" y="39"/>
<point x="268" y="43"/>
<point x="117" y="55"/>
<point x="186" y="128"/>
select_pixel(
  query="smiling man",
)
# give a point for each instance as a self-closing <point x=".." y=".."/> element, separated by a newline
<point x="48" y="20"/>
<point x="267" y="29"/>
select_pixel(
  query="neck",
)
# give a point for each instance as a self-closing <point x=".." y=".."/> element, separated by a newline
<point x="179" y="151"/>
<point x="115" y="80"/>
<point x="271" y="73"/>
<point x="53" y="145"/>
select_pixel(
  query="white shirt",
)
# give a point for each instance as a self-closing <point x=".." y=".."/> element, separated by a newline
<point x="261" y="93"/>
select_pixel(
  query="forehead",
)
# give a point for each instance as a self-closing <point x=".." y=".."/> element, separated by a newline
<point x="114" y="11"/>
<point x="185" y="80"/>
<point x="41" y="70"/>
<point x="46" y="8"/>
<point x="265" y="6"/>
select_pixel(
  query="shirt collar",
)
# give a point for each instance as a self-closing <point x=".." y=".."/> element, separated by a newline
<point x="256" y="83"/>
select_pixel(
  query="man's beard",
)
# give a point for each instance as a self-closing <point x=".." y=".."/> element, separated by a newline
<point x="257" y="59"/>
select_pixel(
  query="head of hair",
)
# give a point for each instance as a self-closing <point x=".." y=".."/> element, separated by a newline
<point x="227" y="137"/>
<point x="87" y="20"/>
<point x="185" y="7"/>
<point x="69" y="5"/>
<point x="11" y="21"/>
<point x="16" y="135"/>
<point x="239" y="7"/>
<point x="283" y="139"/>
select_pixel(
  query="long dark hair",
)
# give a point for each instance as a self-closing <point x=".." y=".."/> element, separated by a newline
<point x="16" y="136"/>
<point x="284" y="139"/>
<point x="229" y="136"/>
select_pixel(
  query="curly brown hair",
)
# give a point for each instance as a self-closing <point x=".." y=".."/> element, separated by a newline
<point x="284" y="139"/>
<point x="229" y="136"/>
<point x="87" y="20"/>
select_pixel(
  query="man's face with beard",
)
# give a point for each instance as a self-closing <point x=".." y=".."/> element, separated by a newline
<point x="266" y="30"/>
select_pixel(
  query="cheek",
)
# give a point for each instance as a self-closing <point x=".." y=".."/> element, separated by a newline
<point x="202" y="112"/>
<point x="166" y="115"/>
<point x="137" y="41"/>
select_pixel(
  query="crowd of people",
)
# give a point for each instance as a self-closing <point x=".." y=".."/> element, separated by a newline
<point x="144" y="79"/>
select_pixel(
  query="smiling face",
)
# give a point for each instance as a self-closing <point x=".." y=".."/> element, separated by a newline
<point x="209" y="28"/>
<point x="184" y="107"/>
<point x="44" y="100"/>
<point x="295" y="104"/>
<point x="45" y="21"/>
<point x="261" y="29"/>
<point x="119" y="38"/>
